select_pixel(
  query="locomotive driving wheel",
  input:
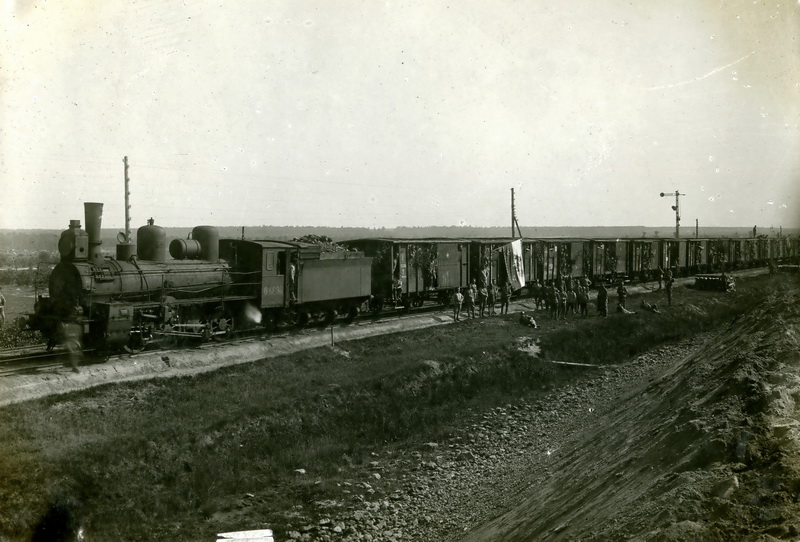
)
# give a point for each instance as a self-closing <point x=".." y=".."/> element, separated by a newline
<point x="137" y="341"/>
<point x="221" y="326"/>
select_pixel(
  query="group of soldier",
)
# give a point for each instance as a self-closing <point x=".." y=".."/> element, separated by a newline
<point x="558" y="298"/>
<point x="481" y="301"/>
<point x="562" y="297"/>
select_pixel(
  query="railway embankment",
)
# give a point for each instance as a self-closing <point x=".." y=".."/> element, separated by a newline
<point x="171" y="363"/>
<point x="185" y="362"/>
<point x="678" y="426"/>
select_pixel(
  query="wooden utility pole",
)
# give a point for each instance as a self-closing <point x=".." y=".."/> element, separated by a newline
<point x="514" y="222"/>
<point x="127" y="203"/>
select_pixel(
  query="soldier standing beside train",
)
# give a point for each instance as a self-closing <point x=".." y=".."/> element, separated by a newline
<point x="70" y="333"/>
<point x="2" y="310"/>
<point x="469" y="302"/>
<point x="669" y="289"/>
<point x="602" y="300"/>
<point x="491" y="298"/>
<point x="583" y="300"/>
<point x="482" y="295"/>
<point x="505" y="294"/>
<point x="457" y="299"/>
<point x="622" y="292"/>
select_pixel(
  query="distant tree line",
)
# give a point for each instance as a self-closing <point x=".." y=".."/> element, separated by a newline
<point x="20" y="268"/>
<point x="22" y="260"/>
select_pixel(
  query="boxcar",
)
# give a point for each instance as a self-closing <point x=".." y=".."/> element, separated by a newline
<point x="564" y="257"/>
<point x="533" y="260"/>
<point x="736" y="251"/>
<point x="669" y="255"/>
<point x="780" y="249"/>
<point x="794" y="250"/>
<point x="487" y="264"/>
<point x="749" y="255"/>
<point x="697" y="256"/>
<point x="409" y="271"/>
<point x="608" y="259"/>
<point x="719" y="254"/>
<point x="643" y="258"/>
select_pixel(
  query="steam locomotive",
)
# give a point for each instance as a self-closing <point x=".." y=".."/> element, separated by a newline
<point x="210" y="289"/>
<point x="213" y="288"/>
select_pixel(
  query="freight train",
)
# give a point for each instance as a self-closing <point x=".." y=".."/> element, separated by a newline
<point x="408" y="272"/>
<point x="213" y="288"/>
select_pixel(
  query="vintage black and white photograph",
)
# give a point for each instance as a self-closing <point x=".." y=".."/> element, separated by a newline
<point x="399" y="271"/>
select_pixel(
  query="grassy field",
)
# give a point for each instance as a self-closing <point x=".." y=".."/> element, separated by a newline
<point x="252" y="445"/>
<point x="19" y="300"/>
<point x="19" y="303"/>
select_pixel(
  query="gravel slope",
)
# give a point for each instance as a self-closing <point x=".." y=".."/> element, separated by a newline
<point x="697" y="441"/>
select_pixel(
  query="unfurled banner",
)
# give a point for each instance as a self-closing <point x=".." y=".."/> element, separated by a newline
<point x="512" y="256"/>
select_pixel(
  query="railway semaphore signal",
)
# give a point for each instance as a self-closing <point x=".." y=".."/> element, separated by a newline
<point x="677" y="209"/>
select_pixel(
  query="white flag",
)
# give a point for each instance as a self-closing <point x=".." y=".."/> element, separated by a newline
<point x="512" y="256"/>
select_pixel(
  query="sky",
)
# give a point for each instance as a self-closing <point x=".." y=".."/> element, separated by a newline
<point x="393" y="113"/>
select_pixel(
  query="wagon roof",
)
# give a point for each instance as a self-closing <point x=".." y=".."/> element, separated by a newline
<point x="564" y="240"/>
<point x="505" y="240"/>
<point x="409" y="240"/>
<point x="531" y="239"/>
<point x="269" y="243"/>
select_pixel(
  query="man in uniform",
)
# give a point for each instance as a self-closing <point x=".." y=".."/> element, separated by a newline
<point x="469" y="299"/>
<point x="483" y="293"/>
<point x="2" y="309"/>
<point x="602" y="300"/>
<point x="491" y="298"/>
<point x="622" y="292"/>
<point x="505" y="295"/>
<point x="668" y="287"/>
<point x="71" y="334"/>
<point x="457" y="300"/>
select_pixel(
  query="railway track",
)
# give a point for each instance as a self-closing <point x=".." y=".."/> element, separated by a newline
<point x="36" y="359"/>
<point x="19" y="352"/>
<point x="31" y="362"/>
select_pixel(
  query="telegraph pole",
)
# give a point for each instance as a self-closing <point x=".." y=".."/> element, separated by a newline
<point x="127" y="203"/>
<point x="514" y="222"/>
<point x="677" y="209"/>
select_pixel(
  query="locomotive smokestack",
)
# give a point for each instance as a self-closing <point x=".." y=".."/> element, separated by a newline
<point x="94" y="218"/>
